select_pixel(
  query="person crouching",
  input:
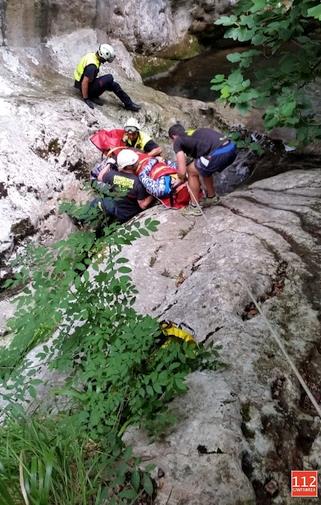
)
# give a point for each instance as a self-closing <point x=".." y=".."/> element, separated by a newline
<point x="130" y="195"/>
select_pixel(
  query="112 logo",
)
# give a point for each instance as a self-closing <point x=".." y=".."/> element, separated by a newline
<point x="304" y="483"/>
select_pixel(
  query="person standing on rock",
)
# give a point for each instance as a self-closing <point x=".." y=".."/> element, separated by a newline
<point x="91" y="86"/>
<point x="211" y="152"/>
<point x="136" y="138"/>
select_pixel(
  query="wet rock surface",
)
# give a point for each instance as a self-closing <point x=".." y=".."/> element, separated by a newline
<point x="252" y="417"/>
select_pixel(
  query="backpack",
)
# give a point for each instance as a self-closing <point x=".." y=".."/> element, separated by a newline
<point x="177" y="331"/>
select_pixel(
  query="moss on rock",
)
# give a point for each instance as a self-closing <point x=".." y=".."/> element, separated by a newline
<point x="166" y="59"/>
<point x="186" y="48"/>
<point x="152" y="65"/>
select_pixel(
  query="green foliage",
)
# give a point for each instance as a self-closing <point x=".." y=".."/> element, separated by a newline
<point x="284" y="60"/>
<point x="315" y="12"/>
<point x="244" y="141"/>
<point x="129" y="378"/>
<point x="77" y="307"/>
<point x="82" y="213"/>
<point x="48" y="462"/>
<point x="40" y="307"/>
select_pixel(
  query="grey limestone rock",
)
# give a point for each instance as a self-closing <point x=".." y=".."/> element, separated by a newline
<point x="265" y="238"/>
<point x="145" y="26"/>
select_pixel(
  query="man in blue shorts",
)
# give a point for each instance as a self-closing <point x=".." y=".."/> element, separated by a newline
<point x="211" y="152"/>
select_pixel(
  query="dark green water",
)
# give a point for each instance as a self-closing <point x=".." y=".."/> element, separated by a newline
<point x="191" y="78"/>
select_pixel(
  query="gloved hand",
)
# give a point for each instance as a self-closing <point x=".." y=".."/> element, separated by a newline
<point x="89" y="103"/>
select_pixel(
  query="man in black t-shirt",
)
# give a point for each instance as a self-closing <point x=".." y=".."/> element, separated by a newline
<point x="210" y="151"/>
<point x="131" y="197"/>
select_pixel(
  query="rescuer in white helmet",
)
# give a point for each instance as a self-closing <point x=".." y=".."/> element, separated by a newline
<point x="131" y="197"/>
<point x="91" y="86"/>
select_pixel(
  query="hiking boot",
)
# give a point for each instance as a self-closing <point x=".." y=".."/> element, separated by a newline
<point x="133" y="107"/>
<point x="209" y="202"/>
<point x="192" y="210"/>
<point x="97" y="101"/>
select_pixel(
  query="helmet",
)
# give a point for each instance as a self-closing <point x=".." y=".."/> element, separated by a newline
<point x="126" y="158"/>
<point x="131" y="125"/>
<point x="106" y="52"/>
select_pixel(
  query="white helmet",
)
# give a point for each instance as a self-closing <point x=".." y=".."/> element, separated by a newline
<point x="126" y="158"/>
<point x="131" y="125"/>
<point x="106" y="52"/>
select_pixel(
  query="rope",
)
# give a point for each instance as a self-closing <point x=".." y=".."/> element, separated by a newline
<point x="273" y="332"/>
<point x="287" y="357"/>
<point x="193" y="197"/>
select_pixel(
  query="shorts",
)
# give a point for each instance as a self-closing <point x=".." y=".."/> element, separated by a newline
<point x="217" y="160"/>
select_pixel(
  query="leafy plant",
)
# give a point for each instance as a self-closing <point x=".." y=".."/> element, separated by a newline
<point x="77" y="307"/>
<point x="48" y="274"/>
<point x="275" y="72"/>
<point x="82" y="213"/>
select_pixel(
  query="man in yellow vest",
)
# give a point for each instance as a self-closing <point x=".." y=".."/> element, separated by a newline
<point x="138" y="139"/>
<point x="91" y="86"/>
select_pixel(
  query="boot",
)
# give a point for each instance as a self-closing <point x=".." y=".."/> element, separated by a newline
<point x="192" y="210"/>
<point x="127" y="101"/>
<point x="133" y="107"/>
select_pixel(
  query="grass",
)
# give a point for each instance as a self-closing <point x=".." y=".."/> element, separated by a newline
<point x="47" y="462"/>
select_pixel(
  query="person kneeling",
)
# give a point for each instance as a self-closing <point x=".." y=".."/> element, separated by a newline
<point x="136" y="138"/>
<point x="131" y="197"/>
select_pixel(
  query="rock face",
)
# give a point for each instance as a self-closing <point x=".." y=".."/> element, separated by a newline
<point x="144" y="27"/>
<point x="252" y="417"/>
<point x="239" y="430"/>
<point x="45" y="147"/>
